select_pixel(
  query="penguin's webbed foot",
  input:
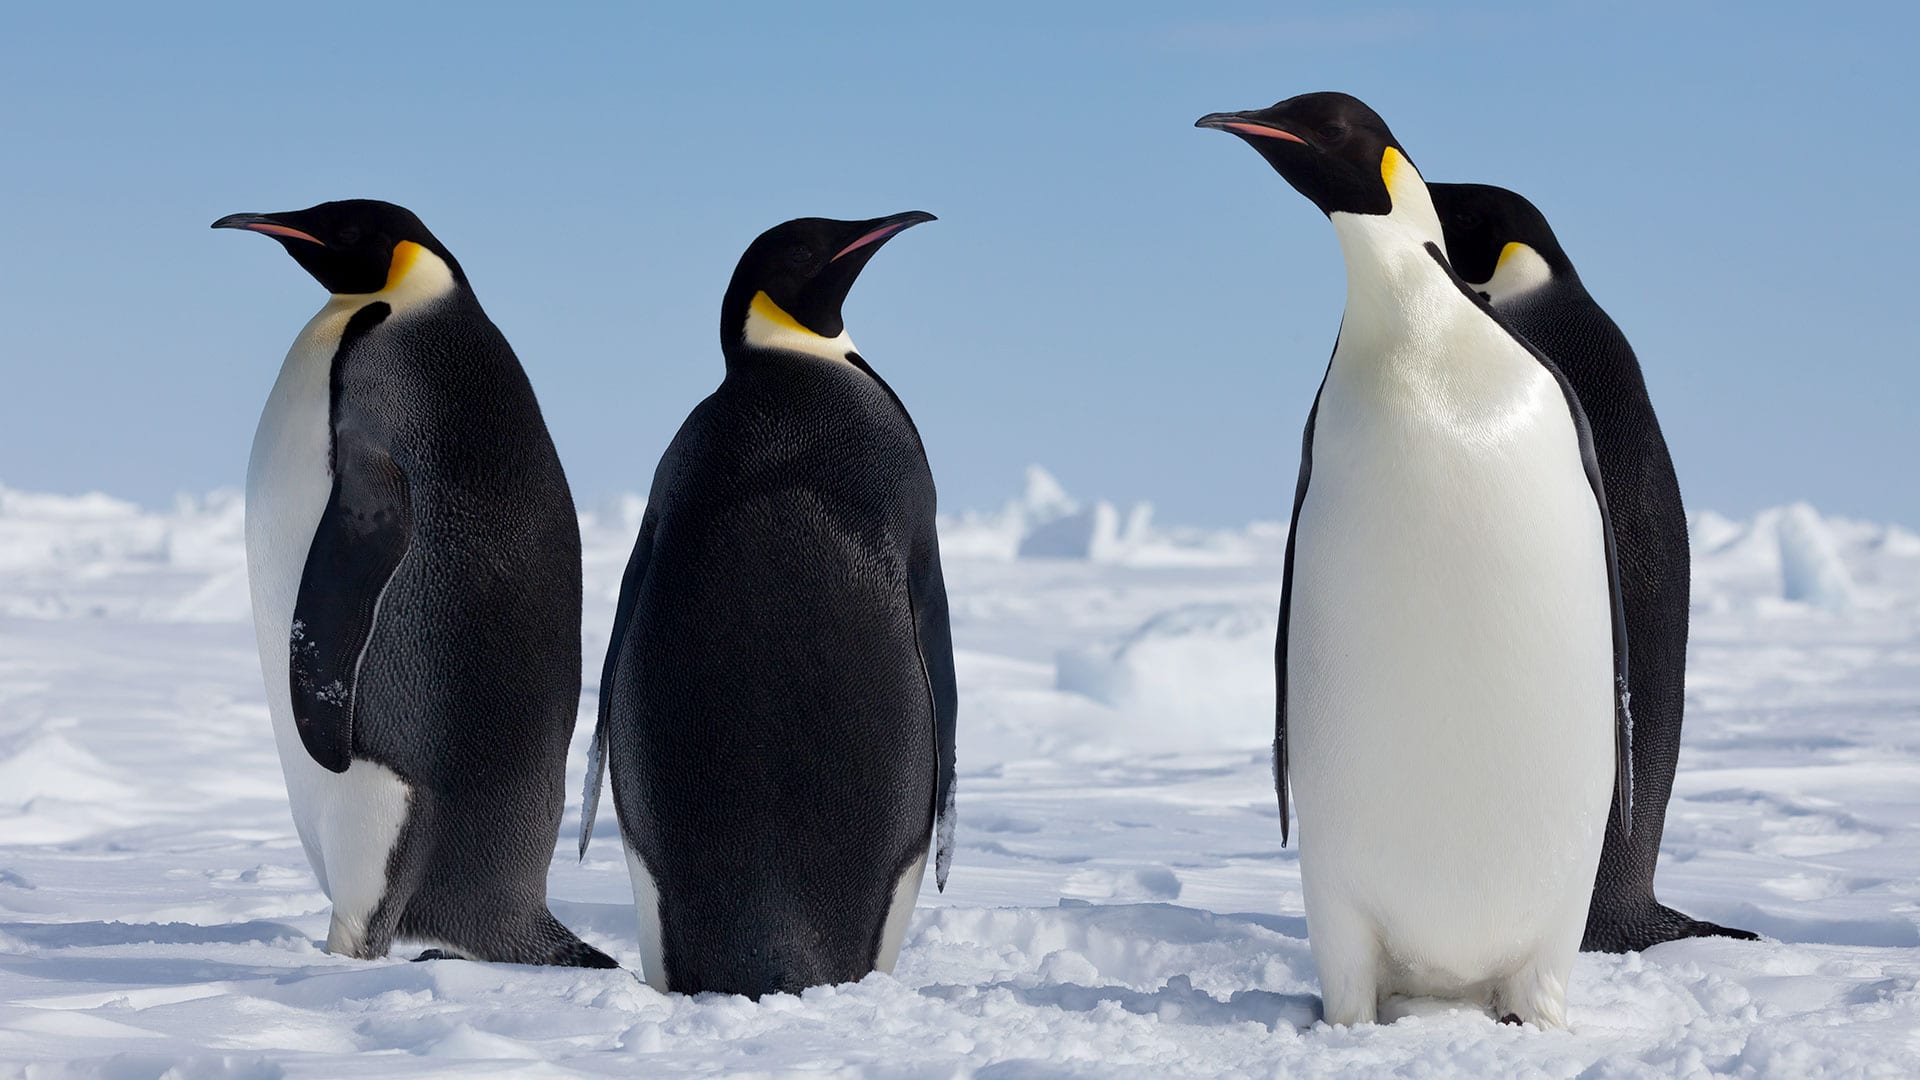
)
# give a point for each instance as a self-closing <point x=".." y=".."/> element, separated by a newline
<point x="1640" y="927"/>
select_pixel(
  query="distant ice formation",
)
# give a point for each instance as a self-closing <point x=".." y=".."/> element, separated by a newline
<point x="1811" y="570"/>
<point x="187" y="562"/>
<point x="1045" y="522"/>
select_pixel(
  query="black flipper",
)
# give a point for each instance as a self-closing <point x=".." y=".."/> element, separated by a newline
<point x="622" y="617"/>
<point x="1622" y="713"/>
<point x="361" y="538"/>
<point x="927" y="590"/>
<point x="1286" y="611"/>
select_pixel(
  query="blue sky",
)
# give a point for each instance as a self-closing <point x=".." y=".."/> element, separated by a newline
<point x="1143" y="307"/>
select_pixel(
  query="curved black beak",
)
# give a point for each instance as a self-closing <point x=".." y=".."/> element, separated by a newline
<point x="879" y="230"/>
<point x="268" y="224"/>
<point x="1248" y="125"/>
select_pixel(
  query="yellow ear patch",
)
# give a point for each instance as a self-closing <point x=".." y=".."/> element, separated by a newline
<point x="1513" y="248"/>
<point x="1390" y="163"/>
<point x="764" y="307"/>
<point x="405" y="254"/>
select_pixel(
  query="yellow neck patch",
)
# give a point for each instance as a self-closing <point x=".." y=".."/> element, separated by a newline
<point x="1513" y="248"/>
<point x="405" y="254"/>
<point x="764" y="307"/>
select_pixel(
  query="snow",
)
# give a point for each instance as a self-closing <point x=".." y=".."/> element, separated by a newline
<point x="1119" y="905"/>
<point x="1189" y="677"/>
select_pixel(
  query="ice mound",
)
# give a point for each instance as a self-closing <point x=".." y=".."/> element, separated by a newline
<point x="1094" y="533"/>
<point x="616" y="516"/>
<point x="1139" y="883"/>
<point x="1792" y="558"/>
<point x="1709" y="531"/>
<point x="1055" y="526"/>
<point x="39" y="766"/>
<point x="1811" y="570"/>
<point x="1898" y="542"/>
<point x="1045" y="522"/>
<point x="1201" y="671"/>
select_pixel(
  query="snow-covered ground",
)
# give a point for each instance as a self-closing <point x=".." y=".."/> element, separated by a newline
<point x="1120" y="903"/>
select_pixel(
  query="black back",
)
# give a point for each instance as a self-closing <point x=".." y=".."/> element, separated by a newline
<point x="1650" y="537"/>
<point x="780" y="691"/>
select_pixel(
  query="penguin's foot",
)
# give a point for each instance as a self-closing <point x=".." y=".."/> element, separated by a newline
<point x="1613" y="926"/>
<point x="562" y="948"/>
<point x="1351" y="1008"/>
<point x="581" y="954"/>
<point x="1535" y="995"/>
<point x="1348" y="956"/>
<point x="1703" y="928"/>
<point x="438" y="954"/>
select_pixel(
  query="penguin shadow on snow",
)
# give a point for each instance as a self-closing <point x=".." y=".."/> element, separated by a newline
<point x="89" y="935"/>
<point x="1082" y="956"/>
<point x="1891" y="932"/>
<point x="57" y="965"/>
<point x="1178" y="1002"/>
<point x="125" y="974"/>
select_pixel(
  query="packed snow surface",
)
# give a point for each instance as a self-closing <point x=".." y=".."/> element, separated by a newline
<point x="1120" y="904"/>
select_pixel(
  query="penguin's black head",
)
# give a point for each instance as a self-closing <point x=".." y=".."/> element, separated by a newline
<point x="1483" y="222"/>
<point x="1331" y="147"/>
<point x="351" y="246"/>
<point x="792" y="280"/>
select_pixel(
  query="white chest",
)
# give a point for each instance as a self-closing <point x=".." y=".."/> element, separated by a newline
<point x="1450" y="648"/>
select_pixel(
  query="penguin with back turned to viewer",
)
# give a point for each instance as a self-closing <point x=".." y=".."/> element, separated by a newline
<point x="1451" y="660"/>
<point x="1503" y="247"/>
<point x="777" y="705"/>
<point x="414" y="561"/>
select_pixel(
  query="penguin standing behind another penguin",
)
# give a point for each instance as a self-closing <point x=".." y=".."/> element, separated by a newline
<point x="1451" y="660"/>
<point x="777" y="706"/>
<point x="1503" y="247"/>
<point x="414" y="563"/>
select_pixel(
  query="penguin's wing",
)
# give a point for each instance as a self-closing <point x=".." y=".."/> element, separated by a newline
<point x="927" y="591"/>
<point x="362" y="536"/>
<point x="1286" y="610"/>
<point x="1590" y="460"/>
<point x="616" y="644"/>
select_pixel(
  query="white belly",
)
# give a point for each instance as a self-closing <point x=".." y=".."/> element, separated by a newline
<point x="348" y="822"/>
<point x="1450" y="677"/>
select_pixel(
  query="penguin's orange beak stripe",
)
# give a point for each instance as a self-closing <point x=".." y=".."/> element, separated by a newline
<point x="1263" y="131"/>
<point x="282" y="230"/>
<point x="873" y="237"/>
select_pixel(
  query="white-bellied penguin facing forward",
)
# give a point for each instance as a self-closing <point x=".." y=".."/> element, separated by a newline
<point x="777" y="704"/>
<point x="414" y="562"/>
<point x="1502" y="246"/>
<point x="1450" y="661"/>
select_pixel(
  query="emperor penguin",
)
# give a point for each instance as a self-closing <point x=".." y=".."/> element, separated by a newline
<point x="1451" y="660"/>
<point x="777" y="705"/>
<point x="414" y="561"/>
<point x="1502" y="246"/>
